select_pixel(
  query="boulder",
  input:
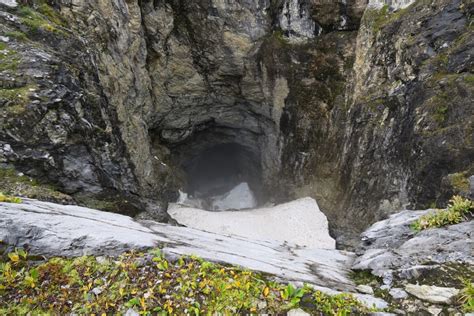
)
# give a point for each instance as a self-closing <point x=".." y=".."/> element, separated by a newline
<point x="398" y="293"/>
<point x="365" y="289"/>
<point x="391" y="246"/>
<point x="297" y="312"/>
<point x="433" y="294"/>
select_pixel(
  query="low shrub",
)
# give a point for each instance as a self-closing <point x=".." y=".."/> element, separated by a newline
<point x="9" y="199"/>
<point x="458" y="210"/>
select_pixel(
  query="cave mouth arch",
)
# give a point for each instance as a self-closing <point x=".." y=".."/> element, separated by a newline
<point x="215" y="158"/>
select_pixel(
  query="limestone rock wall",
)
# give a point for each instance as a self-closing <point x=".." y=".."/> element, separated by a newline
<point x="366" y="112"/>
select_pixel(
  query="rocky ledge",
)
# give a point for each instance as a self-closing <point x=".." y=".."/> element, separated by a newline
<point x="393" y="263"/>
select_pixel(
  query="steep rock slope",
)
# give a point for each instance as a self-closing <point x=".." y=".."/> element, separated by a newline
<point x="364" y="113"/>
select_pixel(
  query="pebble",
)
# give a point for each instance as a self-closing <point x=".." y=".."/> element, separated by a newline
<point x="398" y="293"/>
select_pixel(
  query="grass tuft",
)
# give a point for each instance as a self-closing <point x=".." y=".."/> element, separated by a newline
<point x="9" y="199"/>
<point x="457" y="211"/>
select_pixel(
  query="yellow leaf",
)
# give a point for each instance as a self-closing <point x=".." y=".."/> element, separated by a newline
<point x="104" y="314"/>
<point x="142" y="303"/>
<point x="266" y="291"/>
<point x="121" y="291"/>
<point x="14" y="257"/>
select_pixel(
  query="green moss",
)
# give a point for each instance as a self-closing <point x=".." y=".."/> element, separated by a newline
<point x="458" y="210"/>
<point x="439" y="105"/>
<point x="440" y="113"/>
<point x="151" y="285"/>
<point x="9" y="198"/>
<point x="280" y="37"/>
<point x="459" y="181"/>
<point x="379" y="18"/>
<point x="9" y="59"/>
<point x="447" y="275"/>
<point x="20" y="185"/>
<point x="51" y="14"/>
<point x="469" y="79"/>
<point x="17" y="99"/>
<point x="365" y="277"/>
<point x="111" y="203"/>
<point x="17" y="35"/>
<point x="37" y="21"/>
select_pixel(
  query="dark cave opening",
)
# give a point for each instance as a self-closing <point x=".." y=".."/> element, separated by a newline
<point x="218" y="169"/>
<point x="217" y="158"/>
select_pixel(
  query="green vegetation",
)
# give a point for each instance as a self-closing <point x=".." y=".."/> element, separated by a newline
<point x="51" y="14"/>
<point x="439" y="104"/>
<point x="459" y="181"/>
<point x="13" y="184"/>
<point x="365" y="277"/>
<point x="17" y="35"/>
<point x="467" y="296"/>
<point x="9" y="199"/>
<point x="151" y="285"/>
<point x="17" y="99"/>
<point x="469" y="79"/>
<point x="45" y="18"/>
<point x="377" y="19"/>
<point x="457" y="211"/>
<point x="9" y="59"/>
<point x="280" y="37"/>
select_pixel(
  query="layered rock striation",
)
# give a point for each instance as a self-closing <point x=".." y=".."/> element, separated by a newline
<point x="367" y="110"/>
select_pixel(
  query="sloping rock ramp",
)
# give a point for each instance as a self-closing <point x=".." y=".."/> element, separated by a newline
<point x="63" y="230"/>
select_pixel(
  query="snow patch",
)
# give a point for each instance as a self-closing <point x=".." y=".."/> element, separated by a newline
<point x="240" y="197"/>
<point x="298" y="222"/>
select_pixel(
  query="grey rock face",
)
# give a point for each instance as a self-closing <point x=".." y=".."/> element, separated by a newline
<point x="355" y="113"/>
<point x="296" y="22"/>
<point x="9" y="3"/>
<point x="391" y="247"/>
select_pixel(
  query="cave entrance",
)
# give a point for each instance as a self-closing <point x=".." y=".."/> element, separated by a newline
<point x="219" y="169"/>
<point x="213" y="159"/>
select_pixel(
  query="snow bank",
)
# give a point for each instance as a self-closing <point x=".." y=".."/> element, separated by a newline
<point x="298" y="222"/>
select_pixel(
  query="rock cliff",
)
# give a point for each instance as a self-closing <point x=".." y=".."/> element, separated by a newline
<point x="367" y="109"/>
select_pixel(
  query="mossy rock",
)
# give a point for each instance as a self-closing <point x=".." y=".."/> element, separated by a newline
<point x="16" y="184"/>
<point x="459" y="181"/>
